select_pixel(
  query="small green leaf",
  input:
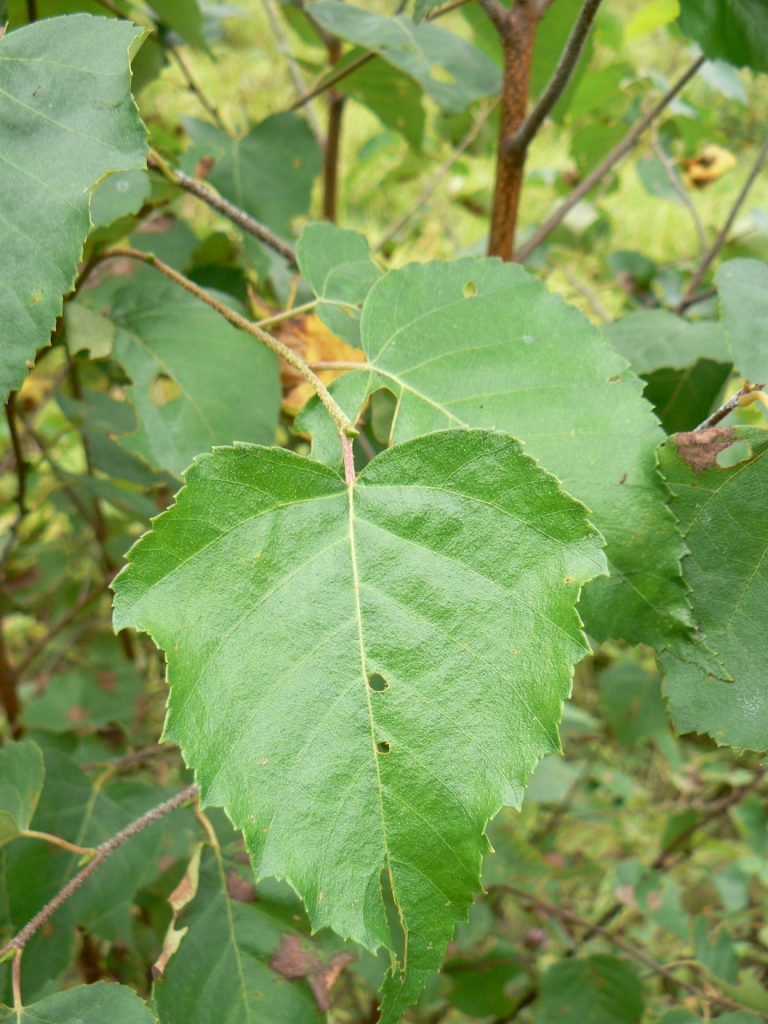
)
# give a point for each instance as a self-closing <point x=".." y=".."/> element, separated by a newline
<point x="743" y="289"/>
<point x="21" y="782"/>
<point x="734" y="30"/>
<point x="337" y="266"/>
<point x="239" y="982"/>
<point x="87" y="1004"/>
<point x="197" y="381"/>
<point x="599" y="989"/>
<point x="64" y="90"/>
<point x="722" y="517"/>
<point x="449" y="571"/>
<point x="451" y="70"/>
<point x="88" y="331"/>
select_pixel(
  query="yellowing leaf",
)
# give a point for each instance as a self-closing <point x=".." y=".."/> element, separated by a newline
<point x="313" y="341"/>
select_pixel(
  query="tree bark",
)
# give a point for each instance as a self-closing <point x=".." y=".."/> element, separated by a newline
<point x="518" y="34"/>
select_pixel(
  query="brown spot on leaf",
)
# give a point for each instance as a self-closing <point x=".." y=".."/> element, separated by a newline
<point x="296" y="958"/>
<point x="239" y="888"/>
<point x="106" y="679"/>
<point x="204" y="166"/>
<point x="76" y="714"/>
<point x="700" y="448"/>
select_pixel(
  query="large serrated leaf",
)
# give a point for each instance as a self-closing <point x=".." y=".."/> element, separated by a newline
<point x="482" y="343"/>
<point x="66" y="120"/>
<point x="722" y="517"/>
<point x="363" y="675"/>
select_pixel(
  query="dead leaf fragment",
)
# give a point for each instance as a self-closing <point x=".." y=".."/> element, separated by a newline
<point x="295" y="959"/>
<point x="311" y="339"/>
<point x="712" y="164"/>
<point x="700" y="448"/>
<point x="181" y="896"/>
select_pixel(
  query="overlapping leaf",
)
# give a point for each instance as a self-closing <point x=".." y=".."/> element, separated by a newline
<point x="481" y="343"/>
<point x="21" y="781"/>
<point x="362" y="675"/>
<point x="66" y="120"/>
<point x="451" y="70"/>
<point x="722" y="517"/>
<point x="743" y="289"/>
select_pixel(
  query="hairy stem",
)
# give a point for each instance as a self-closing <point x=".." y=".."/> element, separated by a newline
<point x="606" y="164"/>
<point x="222" y="206"/>
<point x="343" y="423"/>
<point x="105" y="850"/>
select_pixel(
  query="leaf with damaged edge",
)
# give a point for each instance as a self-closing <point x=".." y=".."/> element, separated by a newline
<point x="483" y="343"/>
<point x="722" y="517"/>
<point x="449" y="570"/>
<point x="64" y="89"/>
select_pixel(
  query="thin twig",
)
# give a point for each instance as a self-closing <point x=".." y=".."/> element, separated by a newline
<point x="293" y="67"/>
<point x="287" y="314"/>
<point x="605" y="165"/>
<point x="589" y="294"/>
<point x="18" y="454"/>
<point x="637" y="954"/>
<point x="137" y="757"/>
<point x="433" y="184"/>
<point x="194" y="87"/>
<point x="722" y="238"/>
<point x="343" y="423"/>
<point x="103" y="851"/>
<point x="681" y="190"/>
<point x="60" y="625"/>
<point x="734" y="402"/>
<point x="222" y="206"/>
<point x="558" y="83"/>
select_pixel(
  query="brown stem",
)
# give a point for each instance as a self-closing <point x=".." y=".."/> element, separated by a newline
<point x="690" y="295"/>
<point x="637" y="954"/>
<point x="137" y="757"/>
<point x="31" y="10"/>
<point x="518" y="34"/>
<point x="8" y="680"/>
<point x="221" y="205"/>
<point x="106" y="849"/>
<point x="332" y="139"/>
<point x="605" y="165"/>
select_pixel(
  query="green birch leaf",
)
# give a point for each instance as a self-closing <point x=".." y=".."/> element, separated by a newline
<point x="240" y="981"/>
<point x="197" y="380"/>
<point x="733" y="30"/>
<point x="269" y="172"/>
<point x="86" y="1004"/>
<point x="394" y="97"/>
<point x="480" y="343"/>
<point x="362" y="675"/>
<point x="423" y="7"/>
<point x="21" y="782"/>
<point x="596" y="989"/>
<point x="743" y="289"/>
<point x="451" y="70"/>
<point x="337" y="266"/>
<point x="722" y="517"/>
<point x="64" y="90"/>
